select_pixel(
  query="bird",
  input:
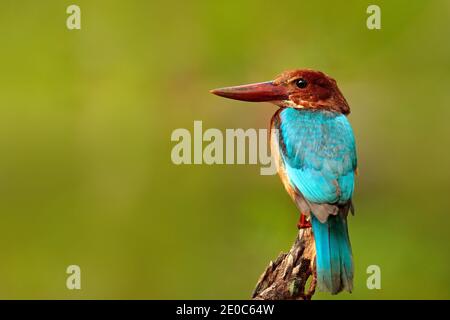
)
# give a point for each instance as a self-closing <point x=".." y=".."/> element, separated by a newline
<point x="313" y="144"/>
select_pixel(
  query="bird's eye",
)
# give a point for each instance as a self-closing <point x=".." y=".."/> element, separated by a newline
<point x="301" y="83"/>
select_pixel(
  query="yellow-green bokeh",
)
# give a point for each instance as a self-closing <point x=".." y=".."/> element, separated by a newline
<point x="86" y="116"/>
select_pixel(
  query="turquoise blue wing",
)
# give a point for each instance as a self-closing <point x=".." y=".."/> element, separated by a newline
<point x="318" y="152"/>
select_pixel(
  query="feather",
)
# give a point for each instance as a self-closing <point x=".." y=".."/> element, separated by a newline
<point x="318" y="152"/>
<point x="333" y="254"/>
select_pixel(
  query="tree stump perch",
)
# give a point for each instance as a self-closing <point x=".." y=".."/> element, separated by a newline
<point x="286" y="278"/>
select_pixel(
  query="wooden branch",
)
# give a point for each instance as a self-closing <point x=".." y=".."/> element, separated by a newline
<point x="286" y="278"/>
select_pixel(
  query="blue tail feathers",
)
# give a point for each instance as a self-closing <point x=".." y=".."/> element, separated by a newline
<point x="334" y="262"/>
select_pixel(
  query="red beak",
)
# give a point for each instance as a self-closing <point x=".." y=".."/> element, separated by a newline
<point x="257" y="92"/>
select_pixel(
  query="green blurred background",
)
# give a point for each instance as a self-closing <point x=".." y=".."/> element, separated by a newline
<point x="86" y="117"/>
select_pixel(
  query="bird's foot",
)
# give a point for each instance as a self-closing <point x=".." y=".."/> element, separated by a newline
<point x="303" y="222"/>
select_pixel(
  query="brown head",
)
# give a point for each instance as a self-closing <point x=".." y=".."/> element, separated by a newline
<point x="302" y="89"/>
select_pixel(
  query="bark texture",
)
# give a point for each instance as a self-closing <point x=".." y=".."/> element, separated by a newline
<point x="286" y="278"/>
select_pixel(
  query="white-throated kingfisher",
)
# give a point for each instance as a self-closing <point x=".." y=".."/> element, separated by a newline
<point x="315" y="154"/>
